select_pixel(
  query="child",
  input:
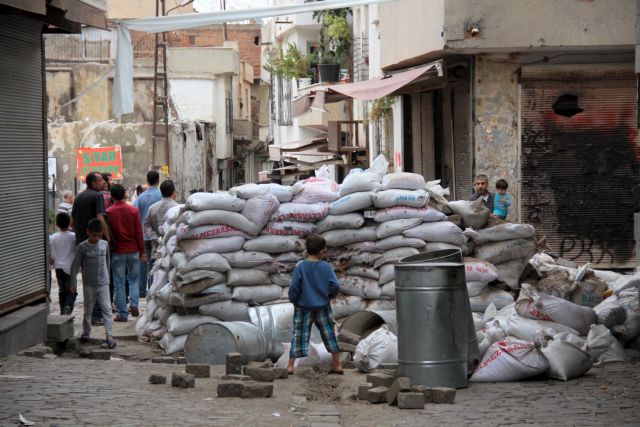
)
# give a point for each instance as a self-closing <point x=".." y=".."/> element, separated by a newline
<point x="92" y="256"/>
<point x="313" y="284"/>
<point x="62" y="246"/>
<point x="502" y="200"/>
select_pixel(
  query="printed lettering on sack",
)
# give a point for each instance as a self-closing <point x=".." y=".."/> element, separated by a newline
<point x="531" y="309"/>
<point x="506" y="349"/>
<point x="183" y="230"/>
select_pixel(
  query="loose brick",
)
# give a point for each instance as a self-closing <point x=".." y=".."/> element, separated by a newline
<point x="348" y="337"/>
<point x="408" y="400"/>
<point x="198" y="371"/>
<point x="59" y="328"/>
<point x="233" y="364"/>
<point x="399" y="385"/>
<point x="183" y="380"/>
<point x="363" y="390"/>
<point x="157" y="379"/>
<point x="280" y="373"/>
<point x="100" y="354"/>
<point x="164" y="359"/>
<point x="84" y="352"/>
<point x="377" y="394"/>
<point x="234" y="377"/>
<point x="256" y="390"/>
<point x="426" y="392"/>
<point x="378" y="380"/>
<point x="230" y="389"/>
<point x="443" y="394"/>
<point x="261" y="374"/>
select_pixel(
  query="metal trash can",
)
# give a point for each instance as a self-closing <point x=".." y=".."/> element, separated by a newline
<point x="435" y="328"/>
<point x="209" y="343"/>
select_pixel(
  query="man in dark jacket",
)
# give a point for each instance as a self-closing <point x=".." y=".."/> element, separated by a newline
<point x="482" y="190"/>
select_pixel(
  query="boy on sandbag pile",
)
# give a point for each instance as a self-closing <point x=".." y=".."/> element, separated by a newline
<point x="313" y="284"/>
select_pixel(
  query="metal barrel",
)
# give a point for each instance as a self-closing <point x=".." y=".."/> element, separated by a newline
<point x="433" y="319"/>
<point x="209" y="343"/>
<point x="362" y="323"/>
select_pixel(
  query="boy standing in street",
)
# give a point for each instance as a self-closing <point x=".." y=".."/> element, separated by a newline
<point x="92" y="257"/>
<point x="313" y="284"/>
<point x="62" y="246"/>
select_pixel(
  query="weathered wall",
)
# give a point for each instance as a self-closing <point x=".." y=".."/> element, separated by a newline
<point x="496" y="123"/>
<point x="96" y="107"/>
<point x="59" y="91"/>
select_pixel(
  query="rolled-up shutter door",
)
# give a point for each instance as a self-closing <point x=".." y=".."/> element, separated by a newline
<point x="581" y="169"/>
<point x="23" y="237"/>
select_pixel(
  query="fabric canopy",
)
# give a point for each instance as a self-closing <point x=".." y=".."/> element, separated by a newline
<point x="123" y="82"/>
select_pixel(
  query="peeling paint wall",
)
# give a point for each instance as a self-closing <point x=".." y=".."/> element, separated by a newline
<point x="96" y="107"/>
<point x="496" y="123"/>
<point x="60" y="91"/>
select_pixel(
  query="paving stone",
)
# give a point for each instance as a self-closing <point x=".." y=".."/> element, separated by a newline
<point x="443" y="394"/>
<point x="235" y="377"/>
<point x="72" y="344"/>
<point x="349" y="337"/>
<point x="233" y="364"/>
<point x="256" y="389"/>
<point x="230" y="389"/>
<point x="377" y="394"/>
<point x="378" y="379"/>
<point x="164" y="359"/>
<point x="408" y="400"/>
<point x="59" y="328"/>
<point x="84" y="352"/>
<point x="183" y="380"/>
<point x="399" y="385"/>
<point x="280" y="373"/>
<point x="426" y="392"/>
<point x="347" y="347"/>
<point x="198" y="371"/>
<point x="261" y="374"/>
<point x="32" y="353"/>
<point x="100" y="354"/>
<point x="157" y="379"/>
<point x="182" y="360"/>
<point x="363" y="390"/>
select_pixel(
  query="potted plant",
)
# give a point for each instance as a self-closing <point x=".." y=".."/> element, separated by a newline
<point x="296" y="66"/>
<point x="334" y="50"/>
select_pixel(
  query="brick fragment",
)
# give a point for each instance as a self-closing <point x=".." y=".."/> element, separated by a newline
<point x="183" y="380"/>
<point x="363" y="390"/>
<point x="235" y="377"/>
<point x="233" y="364"/>
<point x="377" y="380"/>
<point x="280" y="373"/>
<point x="198" y="371"/>
<point x="401" y="384"/>
<point x="169" y="360"/>
<point x="157" y="379"/>
<point x="377" y="394"/>
<point x="100" y="354"/>
<point x="230" y="389"/>
<point x="257" y="390"/>
<point x="261" y="374"/>
<point x="408" y="400"/>
<point x="443" y="394"/>
<point x="426" y="392"/>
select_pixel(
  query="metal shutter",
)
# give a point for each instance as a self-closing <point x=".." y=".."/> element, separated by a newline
<point x="462" y="141"/>
<point x="23" y="238"/>
<point x="422" y="148"/>
<point x="581" y="174"/>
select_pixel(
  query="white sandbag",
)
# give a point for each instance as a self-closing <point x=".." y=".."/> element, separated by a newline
<point x="208" y="201"/>
<point x="300" y="212"/>
<point x="606" y="275"/>
<point x="180" y="325"/>
<point x="536" y="305"/>
<point x="399" y="241"/>
<point x="360" y="287"/>
<point x="388" y="290"/>
<point x="566" y="359"/>
<point x="289" y="257"/>
<point x="500" y="232"/>
<point x="477" y="270"/>
<point x="631" y="326"/>
<point x="204" y="232"/>
<point x="318" y="355"/>
<point x="247" y="259"/>
<point x="510" y="360"/>
<point x="228" y="311"/>
<point x="442" y="231"/>
<point x="283" y="193"/>
<point x="172" y="344"/>
<point x="389" y="198"/>
<point x="257" y="294"/>
<point x="209" y="261"/>
<point x="193" y="248"/>
<point x="381" y="346"/>
<point x="387" y="274"/>
<point x="247" y="277"/>
<point x="281" y="279"/>
<point x="259" y="209"/>
<point x="610" y="312"/>
<point x="494" y="296"/>
<point x="171" y="244"/>
<point x="359" y="182"/>
<point x="346" y="305"/>
<point x="220" y="217"/>
<point x="162" y="314"/>
<point x="478" y="321"/>
<point x="625" y="282"/>
<point x="403" y="180"/>
<point x="525" y="328"/>
<point x="198" y="285"/>
<point x="475" y="288"/>
<point x="351" y="203"/>
<point x="335" y="222"/>
<point x="151" y="307"/>
<point x="157" y="335"/>
<point x="488" y="336"/>
<point x="379" y="166"/>
<point x="474" y="214"/>
<point x="381" y="305"/>
<point x="172" y="215"/>
<point x="364" y="258"/>
<point x="499" y="252"/>
<point x="289" y="228"/>
<point x="274" y="244"/>
<point x="509" y="272"/>
<point x="395" y="227"/>
<point x="164" y="293"/>
<point x="315" y="190"/>
<point x="394" y="255"/>
<point x="439" y="246"/>
<point x="427" y="214"/>
<point x="357" y="247"/>
<point x="182" y="279"/>
<point x="366" y="272"/>
<point x="347" y="236"/>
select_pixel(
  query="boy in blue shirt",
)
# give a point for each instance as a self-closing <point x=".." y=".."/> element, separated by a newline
<point x="313" y="284"/>
<point x="502" y="200"/>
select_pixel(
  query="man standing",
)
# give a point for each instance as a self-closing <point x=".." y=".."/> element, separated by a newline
<point x="157" y="211"/>
<point x="128" y="251"/>
<point x="150" y="196"/>
<point x="482" y="190"/>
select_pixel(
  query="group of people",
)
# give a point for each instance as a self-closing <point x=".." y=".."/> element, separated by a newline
<point x="112" y="243"/>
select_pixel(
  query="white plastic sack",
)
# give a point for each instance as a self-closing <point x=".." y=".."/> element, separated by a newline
<point x="193" y="248"/>
<point x="525" y="328"/>
<point x="315" y="190"/>
<point x="477" y="270"/>
<point x="381" y="305"/>
<point x="347" y="236"/>
<point x="203" y="232"/>
<point x="228" y="311"/>
<point x="364" y="258"/>
<point x="394" y="255"/>
<point x="220" y="217"/>
<point x="259" y="209"/>
<point x="388" y="290"/>
<point x="566" y="359"/>
<point x="500" y="232"/>
<point x="491" y="295"/>
<point x="172" y="215"/>
<point x="395" y="227"/>
<point x="289" y="257"/>
<point x="366" y="272"/>
<point x="360" y="287"/>
<point x="318" y="355"/>
<point x="274" y="244"/>
<point x="427" y="214"/>
<point x="381" y="346"/>
<point x="387" y="274"/>
<point x="247" y="277"/>
<point x="403" y="180"/>
<point x="507" y="250"/>
<point x="209" y="261"/>
<point x="439" y="246"/>
<point x="346" y="305"/>
<point x="474" y="214"/>
<point x="488" y="336"/>
<point x="281" y="279"/>
<point x="475" y="288"/>
<point x="283" y="193"/>
<point x="289" y="228"/>
<point x="335" y="222"/>
<point x="442" y="231"/>
<point x="389" y="198"/>
<point x="257" y="294"/>
<point x="207" y="201"/>
<point x="172" y="344"/>
<point x="509" y="272"/>
<point x="510" y="360"/>
<point x="300" y="212"/>
<point x="247" y="259"/>
<point x="610" y="312"/>
<point x="180" y="325"/>
<point x="393" y="242"/>
<point x="359" y="182"/>
<point x="351" y="203"/>
<point x="625" y="282"/>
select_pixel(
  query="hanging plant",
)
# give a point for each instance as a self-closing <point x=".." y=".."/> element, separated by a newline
<point x="380" y="108"/>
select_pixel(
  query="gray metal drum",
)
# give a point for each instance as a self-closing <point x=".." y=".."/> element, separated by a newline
<point x="432" y="309"/>
<point x="209" y="343"/>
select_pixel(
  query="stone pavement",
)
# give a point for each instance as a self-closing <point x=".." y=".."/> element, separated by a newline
<point x="70" y="391"/>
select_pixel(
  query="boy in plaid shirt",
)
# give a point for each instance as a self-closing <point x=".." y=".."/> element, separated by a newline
<point x="313" y="284"/>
